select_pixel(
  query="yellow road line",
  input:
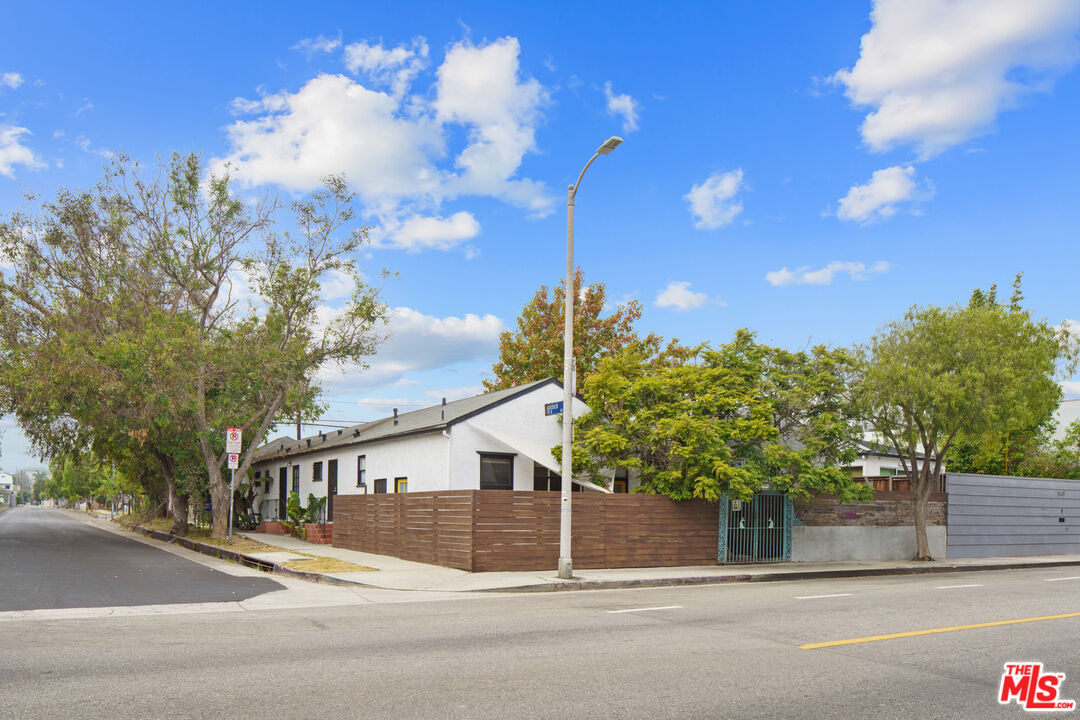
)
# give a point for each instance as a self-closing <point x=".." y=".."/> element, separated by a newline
<point x="933" y="631"/>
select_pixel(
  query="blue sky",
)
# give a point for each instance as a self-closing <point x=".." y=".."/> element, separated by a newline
<point x="807" y="170"/>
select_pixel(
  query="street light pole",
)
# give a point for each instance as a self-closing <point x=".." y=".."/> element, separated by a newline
<point x="566" y="569"/>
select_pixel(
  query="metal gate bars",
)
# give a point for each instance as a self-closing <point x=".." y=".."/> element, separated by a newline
<point x="755" y="531"/>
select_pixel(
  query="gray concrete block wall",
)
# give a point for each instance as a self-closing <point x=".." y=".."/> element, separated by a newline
<point x="833" y="543"/>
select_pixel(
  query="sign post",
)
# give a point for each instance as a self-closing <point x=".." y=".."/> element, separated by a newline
<point x="232" y="447"/>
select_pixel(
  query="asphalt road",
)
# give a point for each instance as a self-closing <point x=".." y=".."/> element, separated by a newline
<point x="50" y="560"/>
<point x="731" y="651"/>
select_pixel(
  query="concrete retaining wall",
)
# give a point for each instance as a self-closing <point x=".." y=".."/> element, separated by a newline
<point x="825" y="543"/>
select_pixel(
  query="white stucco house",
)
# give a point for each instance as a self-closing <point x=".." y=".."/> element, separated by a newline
<point x="878" y="464"/>
<point x="499" y="440"/>
<point x="7" y="486"/>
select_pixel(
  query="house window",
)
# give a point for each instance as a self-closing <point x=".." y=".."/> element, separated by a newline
<point x="888" y="471"/>
<point x="380" y="485"/>
<point x="621" y="483"/>
<point x="296" y="479"/>
<point x="545" y="479"/>
<point x="316" y="472"/>
<point x="361" y="471"/>
<point x="496" y="471"/>
<point x="401" y="485"/>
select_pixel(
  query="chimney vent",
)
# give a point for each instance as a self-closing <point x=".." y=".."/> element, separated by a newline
<point x="395" y="416"/>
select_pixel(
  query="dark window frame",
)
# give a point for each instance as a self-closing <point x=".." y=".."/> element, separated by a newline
<point x="375" y="484"/>
<point x="496" y="456"/>
<point x="361" y="471"/>
<point x="296" y="479"/>
<point x="316" y="471"/>
<point x="545" y="476"/>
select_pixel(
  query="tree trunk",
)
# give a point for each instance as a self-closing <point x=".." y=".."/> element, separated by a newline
<point x="922" y="546"/>
<point x="219" y="496"/>
<point x="179" y="504"/>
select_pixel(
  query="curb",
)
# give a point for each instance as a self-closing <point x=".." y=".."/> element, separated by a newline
<point x="267" y="566"/>
<point x="567" y="585"/>
<point x="276" y="568"/>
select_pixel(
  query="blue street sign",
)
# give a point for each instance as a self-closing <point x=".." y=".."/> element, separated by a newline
<point x="554" y="408"/>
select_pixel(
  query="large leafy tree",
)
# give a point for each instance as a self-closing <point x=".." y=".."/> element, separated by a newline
<point x="129" y="294"/>
<point x="706" y="422"/>
<point x="963" y="372"/>
<point x="535" y="350"/>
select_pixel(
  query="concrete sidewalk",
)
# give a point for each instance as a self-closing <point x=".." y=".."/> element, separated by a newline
<point x="397" y="574"/>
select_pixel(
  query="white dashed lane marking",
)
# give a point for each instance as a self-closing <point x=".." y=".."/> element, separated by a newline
<point x="816" y="597"/>
<point x="665" y="607"/>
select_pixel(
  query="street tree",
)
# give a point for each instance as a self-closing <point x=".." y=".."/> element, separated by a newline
<point x="711" y="422"/>
<point x="535" y="350"/>
<point x="969" y="372"/>
<point x="131" y="291"/>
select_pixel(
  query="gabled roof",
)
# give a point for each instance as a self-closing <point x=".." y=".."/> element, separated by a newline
<point x="431" y="419"/>
<point x="867" y="447"/>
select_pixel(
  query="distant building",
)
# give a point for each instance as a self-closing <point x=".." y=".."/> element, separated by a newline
<point x="1067" y="413"/>
<point x="7" y="488"/>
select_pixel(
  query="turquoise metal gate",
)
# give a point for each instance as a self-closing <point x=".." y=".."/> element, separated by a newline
<point x="755" y="531"/>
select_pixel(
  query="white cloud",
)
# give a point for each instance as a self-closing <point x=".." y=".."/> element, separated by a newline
<point x="713" y="203"/>
<point x="392" y="145"/>
<point x="11" y="79"/>
<point x="937" y="72"/>
<point x="390" y="403"/>
<point x="334" y="125"/>
<point x="395" y="68"/>
<point x="84" y="143"/>
<point x="454" y="393"/>
<point x="418" y="233"/>
<point x="878" y="198"/>
<point x="320" y="44"/>
<point x="678" y="295"/>
<point x="337" y="285"/>
<point x="622" y="106"/>
<point x="416" y="342"/>
<point x="13" y="152"/>
<point x="805" y="276"/>
<point x="479" y="87"/>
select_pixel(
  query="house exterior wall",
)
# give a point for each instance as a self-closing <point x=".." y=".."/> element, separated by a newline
<point x="521" y="417"/>
<point x="420" y="458"/>
<point x="432" y="461"/>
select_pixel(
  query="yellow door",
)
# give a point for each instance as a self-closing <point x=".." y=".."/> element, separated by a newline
<point x="401" y="485"/>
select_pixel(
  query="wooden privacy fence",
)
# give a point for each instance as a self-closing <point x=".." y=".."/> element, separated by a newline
<point x="491" y="530"/>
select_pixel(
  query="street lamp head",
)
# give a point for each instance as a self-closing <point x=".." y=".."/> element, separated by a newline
<point x="612" y="142"/>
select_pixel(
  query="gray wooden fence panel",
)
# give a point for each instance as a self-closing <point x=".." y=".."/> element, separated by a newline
<point x="991" y="516"/>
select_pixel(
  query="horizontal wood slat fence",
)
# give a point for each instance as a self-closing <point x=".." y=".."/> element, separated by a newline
<point x="492" y="530"/>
